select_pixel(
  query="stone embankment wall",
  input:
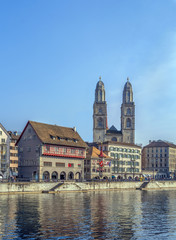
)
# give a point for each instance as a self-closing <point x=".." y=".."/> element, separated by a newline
<point x="156" y="185"/>
<point x="83" y="186"/>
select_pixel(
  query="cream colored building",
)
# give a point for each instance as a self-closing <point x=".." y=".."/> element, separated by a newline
<point x="126" y="163"/>
<point x="4" y="153"/>
<point x="159" y="157"/>
<point x="13" y="154"/>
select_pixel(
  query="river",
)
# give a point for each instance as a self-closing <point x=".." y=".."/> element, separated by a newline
<point x="92" y="215"/>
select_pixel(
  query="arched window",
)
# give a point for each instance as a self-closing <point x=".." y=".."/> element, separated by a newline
<point x="128" y="96"/>
<point x="128" y="111"/>
<point x="128" y="123"/>
<point x="100" y="123"/>
<point x="100" y="110"/>
<point x="114" y="139"/>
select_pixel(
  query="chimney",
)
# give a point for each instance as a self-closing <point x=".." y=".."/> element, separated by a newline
<point x="74" y="129"/>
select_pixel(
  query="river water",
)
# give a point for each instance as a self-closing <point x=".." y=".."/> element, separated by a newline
<point x="93" y="215"/>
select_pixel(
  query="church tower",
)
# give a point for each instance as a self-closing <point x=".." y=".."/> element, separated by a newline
<point x="128" y="114"/>
<point x="99" y="113"/>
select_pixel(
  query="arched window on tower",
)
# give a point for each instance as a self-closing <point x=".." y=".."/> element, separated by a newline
<point x="100" y="110"/>
<point x="128" y="111"/>
<point x="128" y="123"/>
<point x="100" y="95"/>
<point x="128" y="96"/>
<point x="114" y="139"/>
<point x="100" y="122"/>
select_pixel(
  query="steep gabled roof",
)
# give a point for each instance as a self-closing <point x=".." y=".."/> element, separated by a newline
<point x="56" y="135"/>
<point x="113" y="129"/>
<point x="93" y="152"/>
<point x="3" y="128"/>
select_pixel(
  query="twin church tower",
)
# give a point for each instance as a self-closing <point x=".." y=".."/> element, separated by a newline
<point x="101" y="132"/>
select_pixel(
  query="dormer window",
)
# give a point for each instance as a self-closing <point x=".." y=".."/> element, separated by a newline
<point x="52" y="137"/>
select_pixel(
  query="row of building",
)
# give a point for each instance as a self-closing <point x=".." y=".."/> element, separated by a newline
<point x="50" y="152"/>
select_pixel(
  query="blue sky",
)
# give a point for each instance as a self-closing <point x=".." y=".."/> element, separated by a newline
<point x="53" y="52"/>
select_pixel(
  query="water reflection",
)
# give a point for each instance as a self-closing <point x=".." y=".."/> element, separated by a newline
<point x="93" y="215"/>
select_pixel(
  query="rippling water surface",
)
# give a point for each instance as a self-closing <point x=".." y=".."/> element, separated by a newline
<point x="92" y="215"/>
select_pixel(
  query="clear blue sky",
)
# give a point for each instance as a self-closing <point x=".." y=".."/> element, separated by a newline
<point x="53" y="52"/>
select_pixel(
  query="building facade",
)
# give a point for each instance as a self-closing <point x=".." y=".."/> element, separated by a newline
<point x="5" y="153"/>
<point x="97" y="165"/>
<point x="50" y="152"/>
<point x="159" y="157"/>
<point x="126" y="159"/>
<point x="13" y="154"/>
<point x="101" y="132"/>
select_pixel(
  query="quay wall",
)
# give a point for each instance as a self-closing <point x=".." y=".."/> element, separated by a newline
<point x="157" y="185"/>
<point x="34" y="187"/>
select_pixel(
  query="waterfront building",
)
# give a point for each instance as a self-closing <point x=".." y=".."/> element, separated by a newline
<point x="13" y="154"/>
<point x="126" y="163"/>
<point x="50" y="152"/>
<point x="101" y="132"/>
<point x="97" y="165"/>
<point x="4" y="152"/>
<point x="159" y="157"/>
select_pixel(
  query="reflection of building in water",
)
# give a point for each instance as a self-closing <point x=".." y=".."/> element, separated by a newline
<point x="155" y="212"/>
<point x="27" y="216"/>
<point x="113" y="214"/>
<point x="64" y="214"/>
<point x="8" y="207"/>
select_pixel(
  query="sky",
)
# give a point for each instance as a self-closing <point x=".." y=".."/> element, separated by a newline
<point x="53" y="52"/>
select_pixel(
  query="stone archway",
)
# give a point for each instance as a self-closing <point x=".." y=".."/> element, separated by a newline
<point x="46" y="176"/>
<point x="70" y="176"/>
<point x="63" y="176"/>
<point x="54" y="176"/>
<point x="78" y="175"/>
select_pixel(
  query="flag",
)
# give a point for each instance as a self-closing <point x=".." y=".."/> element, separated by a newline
<point x="101" y="163"/>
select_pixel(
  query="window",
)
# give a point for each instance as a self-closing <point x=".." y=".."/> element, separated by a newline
<point x="48" y="164"/>
<point x="100" y="123"/>
<point x="29" y="149"/>
<point x="79" y="165"/>
<point x="70" y="164"/>
<point x="3" y="140"/>
<point x="72" y="150"/>
<point x="0" y="132"/>
<point x="128" y="122"/>
<point x="114" y="139"/>
<point x="60" y="164"/>
<point x="53" y="137"/>
<point x="100" y="110"/>
<point x="128" y="111"/>
<point x="128" y="96"/>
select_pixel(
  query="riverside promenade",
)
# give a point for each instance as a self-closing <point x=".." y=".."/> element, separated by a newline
<point x="58" y="187"/>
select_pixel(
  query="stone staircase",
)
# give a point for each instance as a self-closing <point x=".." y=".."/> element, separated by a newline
<point x="143" y="185"/>
<point x="53" y="188"/>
